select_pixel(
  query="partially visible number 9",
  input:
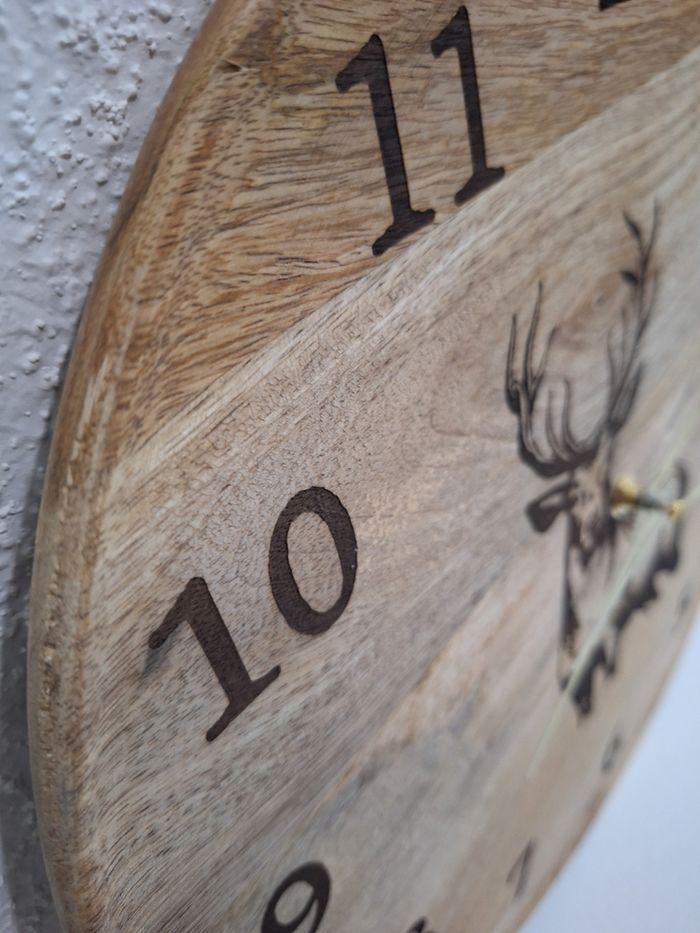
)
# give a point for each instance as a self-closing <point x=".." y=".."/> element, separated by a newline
<point x="317" y="878"/>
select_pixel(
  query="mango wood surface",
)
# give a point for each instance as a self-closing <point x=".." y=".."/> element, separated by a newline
<point x="242" y="344"/>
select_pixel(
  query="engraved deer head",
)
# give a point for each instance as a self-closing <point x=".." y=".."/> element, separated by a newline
<point x="581" y="465"/>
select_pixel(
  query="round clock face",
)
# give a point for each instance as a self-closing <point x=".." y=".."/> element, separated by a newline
<point x="368" y="535"/>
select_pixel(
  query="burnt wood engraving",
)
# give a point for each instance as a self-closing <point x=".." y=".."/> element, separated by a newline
<point x="370" y="67"/>
<point x="582" y="467"/>
<point x="420" y="926"/>
<point x="520" y="871"/>
<point x="295" y="609"/>
<point x="316" y="877"/>
<point x="457" y="35"/>
<point x="195" y="604"/>
<point x="611" y="753"/>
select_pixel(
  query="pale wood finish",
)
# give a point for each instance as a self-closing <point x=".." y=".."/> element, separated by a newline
<point x="242" y="344"/>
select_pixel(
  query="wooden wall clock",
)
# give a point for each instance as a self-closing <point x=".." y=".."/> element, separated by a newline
<point x="367" y="540"/>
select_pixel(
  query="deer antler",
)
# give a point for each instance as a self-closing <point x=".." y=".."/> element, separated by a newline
<point x="625" y="369"/>
<point x="566" y="451"/>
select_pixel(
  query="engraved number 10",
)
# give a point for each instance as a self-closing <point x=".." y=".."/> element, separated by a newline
<point x="369" y="66"/>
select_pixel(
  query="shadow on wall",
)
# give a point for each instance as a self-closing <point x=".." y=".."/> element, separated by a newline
<point x="24" y="873"/>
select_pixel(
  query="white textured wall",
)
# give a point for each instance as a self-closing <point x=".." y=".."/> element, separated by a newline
<point x="80" y="81"/>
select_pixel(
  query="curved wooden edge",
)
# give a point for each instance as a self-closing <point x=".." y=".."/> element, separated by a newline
<point x="70" y="505"/>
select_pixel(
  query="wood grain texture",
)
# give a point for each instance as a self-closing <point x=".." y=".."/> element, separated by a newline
<point x="243" y="344"/>
<point x="260" y="189"/>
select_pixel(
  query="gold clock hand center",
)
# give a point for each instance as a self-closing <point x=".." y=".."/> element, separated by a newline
<point x="627" y="495"/>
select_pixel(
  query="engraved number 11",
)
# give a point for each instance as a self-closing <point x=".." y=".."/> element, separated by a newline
<point x="370" y="66"/>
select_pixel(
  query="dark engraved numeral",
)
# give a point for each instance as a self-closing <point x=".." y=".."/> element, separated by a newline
<point x="582" y="466"/>
<point x="298" y="613"/>
<point x="196" y="607"/>
<point x="457" y="35"/>
<point x="316" y="876"/>
<point x="420" y="926"/>
<point x="369" y="65"/>
<point x="520" y="872"/>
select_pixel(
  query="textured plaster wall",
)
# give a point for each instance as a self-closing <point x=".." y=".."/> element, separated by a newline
<point x="80" y="81"/>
